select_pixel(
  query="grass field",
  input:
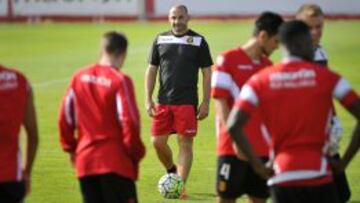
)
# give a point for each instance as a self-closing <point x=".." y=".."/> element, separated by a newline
<point x="49" y="53"/>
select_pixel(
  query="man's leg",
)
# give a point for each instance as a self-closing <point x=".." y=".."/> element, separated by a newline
<point x="185" y="156"/>
<point x="256" y="187"/>
<point x="12" y="192"/>
<point x="164" y="152"/>
<point x="223" y="200"/>
<point x="117" y="189"/>
<point x="230" y="178"/>
<point x="91" y="189"/>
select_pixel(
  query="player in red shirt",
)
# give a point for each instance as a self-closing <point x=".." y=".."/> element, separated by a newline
<point x="16" y="110"/>
<point x="295" y="101"/>
<point x="234" y="67"/>
<point x="100" y="106"/>
<point x="313" y="16"/>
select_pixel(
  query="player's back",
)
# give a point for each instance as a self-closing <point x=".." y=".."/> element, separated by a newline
<point x="95" y="91"/>
<point x="295" y="101"/>
<point x="13" y="94"/>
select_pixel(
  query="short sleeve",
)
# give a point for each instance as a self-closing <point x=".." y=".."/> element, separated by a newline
<point x="154" y="58"/>
<point x="222" y="84"/>
<point x="344" y="93"/>
<point x="205" y="56"/>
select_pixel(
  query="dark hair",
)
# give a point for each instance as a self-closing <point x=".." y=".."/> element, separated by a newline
<point x="115" y="43"/>
<point x="268" y="22"/>
<point x="296" y="38"/>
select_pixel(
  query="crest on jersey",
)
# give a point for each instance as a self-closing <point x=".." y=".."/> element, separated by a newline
<point x="190" y="40"/>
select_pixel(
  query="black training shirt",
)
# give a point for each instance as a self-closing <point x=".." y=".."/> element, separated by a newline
<point x="179" y="58"/>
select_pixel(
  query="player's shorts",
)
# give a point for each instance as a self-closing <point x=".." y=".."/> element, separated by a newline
<point x="108" y="188"/>
<point x="169" y="119"/>
<point x="12" y="192"/>
<point x="236" y="177"/>
<point x="341" y="184"/>
<point x="304" y="194"/>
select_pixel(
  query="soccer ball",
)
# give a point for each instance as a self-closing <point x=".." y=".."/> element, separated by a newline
<point x="170" y="186"/>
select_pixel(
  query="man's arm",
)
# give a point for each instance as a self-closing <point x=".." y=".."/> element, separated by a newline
<point x="150" y="79"/>
<point x="203" y="111"/>
<point x="30" y="124"/>
<point x="67" y="123"/>
<point x="354" y="144"/>
<point x="235" y="125"/>
<point x="129" y="118"/>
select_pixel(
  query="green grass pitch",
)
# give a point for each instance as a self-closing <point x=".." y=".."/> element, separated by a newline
<point x="49" y="53"/>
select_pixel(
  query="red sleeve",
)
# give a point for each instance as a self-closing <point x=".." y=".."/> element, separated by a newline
<point x="129" y="118"/>
<point x="221" y="80"/>
<point x="67" y="122"/>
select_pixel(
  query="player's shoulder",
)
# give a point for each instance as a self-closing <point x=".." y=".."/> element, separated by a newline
<point x="234" y="53"/>
<point x="192" y="33"/>
<point x="12" y="73"/>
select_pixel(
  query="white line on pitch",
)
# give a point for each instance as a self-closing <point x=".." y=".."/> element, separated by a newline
<point x="51" y="82"/>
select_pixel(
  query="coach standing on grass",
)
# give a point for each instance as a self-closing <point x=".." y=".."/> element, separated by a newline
<point x="16" y="109"/>
<point x="179" y="53"/>
<point x="295" y="101"/>
<point x="100" y="106"/>
<point x="313" y="16"/>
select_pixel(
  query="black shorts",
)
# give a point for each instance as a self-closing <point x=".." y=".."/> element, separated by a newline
<point x="12" y="192"/>
<point x="341" y="184"/>
<point x="236" y="177"/>
<point x="108" y="188"/>
<point x="305" y="194"/>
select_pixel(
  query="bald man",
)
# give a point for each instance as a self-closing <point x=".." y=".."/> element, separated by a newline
<point x="179" y="54"/>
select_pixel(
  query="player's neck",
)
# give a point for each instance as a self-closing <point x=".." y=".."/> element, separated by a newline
<point x="109" y="61"/>
<point x="253" y="50"/>
<point x="180" y="33"/>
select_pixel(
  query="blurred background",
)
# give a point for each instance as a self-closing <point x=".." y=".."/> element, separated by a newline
<point x="48" y="40"/>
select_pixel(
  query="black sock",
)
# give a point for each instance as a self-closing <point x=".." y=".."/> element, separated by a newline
<point x="172" y="169"/>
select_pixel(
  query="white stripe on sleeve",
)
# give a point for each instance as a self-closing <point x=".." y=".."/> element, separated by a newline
<point x="247" y="93"/>
<point x="341" y="89"/>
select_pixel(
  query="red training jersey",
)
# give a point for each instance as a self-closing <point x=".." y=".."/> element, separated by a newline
<point x="100" y="106"/>
<point x="14" y="90"/>
<point x="233" y="68"/>
<point x="295" y="101"/>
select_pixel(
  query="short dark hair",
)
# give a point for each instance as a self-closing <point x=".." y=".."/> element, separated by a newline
<point x="268" y="22"/>
<point x="114" y="43"/>
<point x="296" y="38"/>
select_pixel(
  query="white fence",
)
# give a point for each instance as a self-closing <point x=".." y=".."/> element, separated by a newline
<point x="3" y="8"/>
<point x="90" y="9"/>
<point x="253" y="7"/>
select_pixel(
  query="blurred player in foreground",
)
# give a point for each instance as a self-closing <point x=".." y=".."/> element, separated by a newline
<point x="295" y="101"/>
<point x="16" y="109"/>
<point x="100" y="106"/>
<point x="234" y="67"/>
<point x="313" y="16"/>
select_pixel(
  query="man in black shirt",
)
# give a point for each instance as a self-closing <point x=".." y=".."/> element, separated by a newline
<point x="313" y="16"/>
<point x="179" y="53"/>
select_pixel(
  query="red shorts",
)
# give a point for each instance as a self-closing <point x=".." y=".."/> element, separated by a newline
<point x="169" y="119"/>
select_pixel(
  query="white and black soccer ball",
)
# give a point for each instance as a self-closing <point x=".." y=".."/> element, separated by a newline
<point x="170" y="186"/>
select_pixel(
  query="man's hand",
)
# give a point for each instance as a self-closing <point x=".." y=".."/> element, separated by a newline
<point x="72" y="159"/>
<point x="27" y="181"/>
<point x="263" y="171"/>
<point x="337" y="165"/>
<point x="203" y="111"/>
<point x="150" y="108"/>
